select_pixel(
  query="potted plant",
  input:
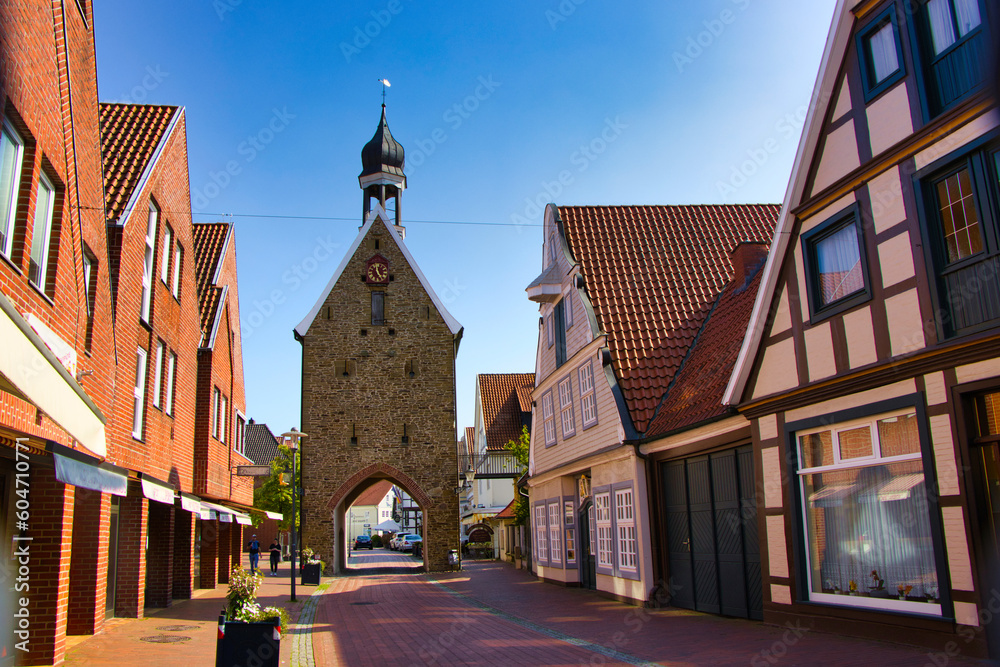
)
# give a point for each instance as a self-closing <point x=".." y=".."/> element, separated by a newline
<point x="246" y="628"/>
<point x="853" y="587"/>
<point x="312" y="568"/>
<point x="903" y="590"/>
<point x="877" y="589"/>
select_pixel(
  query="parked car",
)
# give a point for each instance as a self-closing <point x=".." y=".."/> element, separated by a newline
<point x="409" y="541"/>
<point x="363" y="542"/>
<point x="396" y="542"/>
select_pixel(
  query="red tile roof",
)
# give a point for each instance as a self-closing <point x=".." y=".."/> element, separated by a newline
<point x="209" y="242"/>
<point x="506" y="512"/>
<point x="470" y="440"/>
<point x="375" y="493"/>
<point x="502" y="414"/>
<point x="652" y="274"/>
<point x="130" y="134"/>
<point x="695" y="396"/>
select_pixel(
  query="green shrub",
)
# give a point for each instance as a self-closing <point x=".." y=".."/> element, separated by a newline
<point x="377" y="541"/>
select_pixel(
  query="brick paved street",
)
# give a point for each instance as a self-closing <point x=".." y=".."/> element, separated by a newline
<point x="488" y="614"/>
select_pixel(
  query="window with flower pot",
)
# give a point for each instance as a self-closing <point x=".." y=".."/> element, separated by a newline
<point x="866" y="514"/>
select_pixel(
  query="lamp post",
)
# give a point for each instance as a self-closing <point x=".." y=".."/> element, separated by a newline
<point x="295" y="436"/>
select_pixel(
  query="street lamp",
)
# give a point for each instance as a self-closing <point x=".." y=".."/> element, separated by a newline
<point x="295" y="436"/>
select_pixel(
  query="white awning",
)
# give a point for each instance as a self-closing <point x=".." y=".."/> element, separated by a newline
<point x="90" y="476"/>
<point x="156" y="490"/>
<point x="228" y="514"/>
<point x="275" y="515"/>
<point x="243" y="520"/>
<point x="190" y="503"/>
<point x="37" y="374"/>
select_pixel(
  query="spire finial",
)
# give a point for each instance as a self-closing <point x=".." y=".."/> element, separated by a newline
<point x="385" y="84"/>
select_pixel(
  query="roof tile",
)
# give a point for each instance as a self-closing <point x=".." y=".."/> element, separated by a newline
<point x="502" y="406"/>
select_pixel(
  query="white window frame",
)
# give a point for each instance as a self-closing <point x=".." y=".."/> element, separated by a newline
<point x="175" y="288"/>
<point x="158" y="373"/>
<point x="592" y="530"/>
<point x="555" y="533"/>
<point x="549" y="332"/>
<point x="216" y="394"/>
<point x="548" y="419"/>
<point x="7" y="225"/>
<point x="605" y="538"/>
<point x="566" y="413"/>
<point x="147" y="263"/>
<point x="541" y="537"/>
<point x="168" y="240"/>
<point x="588" y="396"/>
<point x="239" y="443"/>
<point x="88" y="281"/>
<point x="224" y="417"/>
<point x="41" y="232"/>
<point x="168" y="401"/>
<point x="569" y="521"/>
<point x="625" y="523"/>
<point x="139" y="394"/>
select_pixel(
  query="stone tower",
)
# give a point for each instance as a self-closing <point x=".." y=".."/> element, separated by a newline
<point x="378" y="378"/>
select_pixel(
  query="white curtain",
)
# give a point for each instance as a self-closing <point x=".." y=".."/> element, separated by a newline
<point x="967" y="12"/>
<point x="8" y="175"/>
<point x="885" y="61"/>
<point x="942" y="25"/>
<point x="838" y="260"/>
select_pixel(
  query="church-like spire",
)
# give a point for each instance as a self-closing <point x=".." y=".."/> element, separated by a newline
<point x="382" y="178"/>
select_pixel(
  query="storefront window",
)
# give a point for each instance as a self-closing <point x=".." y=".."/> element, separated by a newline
<point x="866" y="515"/>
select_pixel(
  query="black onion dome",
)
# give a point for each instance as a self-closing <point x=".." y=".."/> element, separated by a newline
<point x="382" y="154"/>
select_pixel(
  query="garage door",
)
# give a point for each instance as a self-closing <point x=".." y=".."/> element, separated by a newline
<point x="710" y="520"/>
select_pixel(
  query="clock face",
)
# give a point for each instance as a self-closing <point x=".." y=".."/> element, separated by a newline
<point x="378" y="272"/>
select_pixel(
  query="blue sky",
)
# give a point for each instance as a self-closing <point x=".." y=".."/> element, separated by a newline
<point x="631" y="103"/>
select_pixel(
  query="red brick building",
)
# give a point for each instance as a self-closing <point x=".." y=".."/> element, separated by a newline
<point x="121" y="381"/>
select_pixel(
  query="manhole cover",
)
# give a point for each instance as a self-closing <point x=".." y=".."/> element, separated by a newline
<point x="164" y="639"/>
<point x="178" y="628"/>
<point x="363" y="603"/>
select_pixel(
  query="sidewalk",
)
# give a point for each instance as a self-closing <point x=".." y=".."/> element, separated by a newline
<point x="185" y="633"/>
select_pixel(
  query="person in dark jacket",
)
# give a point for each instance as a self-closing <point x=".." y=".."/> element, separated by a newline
<point x="254" y="554"/>
<point x="275" y="549"/>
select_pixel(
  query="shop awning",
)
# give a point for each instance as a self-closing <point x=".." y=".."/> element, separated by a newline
<point x="38" y="376"/>
<point x="228" y="514"/>
<point x="156" y="490"/>
<point x="73" y="468"/>
<point x="275" y="515"/>
<point x="190" y="503"/>
<point x="243" y="520"/>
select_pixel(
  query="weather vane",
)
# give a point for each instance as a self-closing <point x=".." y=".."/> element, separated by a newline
<point x="385" y="84"/>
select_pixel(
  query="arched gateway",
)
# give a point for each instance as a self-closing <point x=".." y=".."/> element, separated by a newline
<point x="378" y="378"/>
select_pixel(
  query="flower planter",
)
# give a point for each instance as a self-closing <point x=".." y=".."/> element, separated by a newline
<point x="311" y="573"/>
<point x="248" y="644"/>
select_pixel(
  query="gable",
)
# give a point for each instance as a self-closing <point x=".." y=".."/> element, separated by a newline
<point x="378" y="217"/>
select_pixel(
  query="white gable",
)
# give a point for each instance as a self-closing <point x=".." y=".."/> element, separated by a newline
<point x="378" y="215"/>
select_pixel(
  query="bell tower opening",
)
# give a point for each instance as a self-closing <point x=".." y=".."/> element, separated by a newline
<point x="382" y="179"/>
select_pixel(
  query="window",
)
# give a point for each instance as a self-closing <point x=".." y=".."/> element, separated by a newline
<point x="867" y="520"/>
<point x="953" y="53"/>
<point x="880" y="54"/>
<point x="549" y="336"/>
<point x="560" y="332"/>
<point x="602" y="512"/>
<point x="216" y="396"/>
<point x="11" y="156"/>
<point x="566" y="407"/>
<point x="158" y="372"/>
<point x="178" y="262"/>
<point x="588" y="401"/>
<point x="835" y="265"/>
<point x="89" y="293"/>
<point x="168" y="238"/>
<point x="555" y="533"/>
<point x="147" y="264"/>
<point x="570" y="533"/>
<point x="378" y="309"/>
<point x="41" y="234"/>
<point x="171" y="383"/>
<point x="963" y="234"/>
<point x="239" y="438"/>
<point x="591" y="528"/>
<point x="548" y="419"/>
<point x="223" y="417"/>
<point x="541" y="538"/>
<point x="568" y="301"/>
<point x="625" y="522"/>
<point x="139" y="394"/>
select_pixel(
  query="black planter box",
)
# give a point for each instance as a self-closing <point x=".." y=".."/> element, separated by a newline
<point x="311" y="573"/>
<point x="248" y="644"/>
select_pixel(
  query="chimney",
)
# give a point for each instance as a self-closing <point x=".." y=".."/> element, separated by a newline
<point x="747" y="258"/>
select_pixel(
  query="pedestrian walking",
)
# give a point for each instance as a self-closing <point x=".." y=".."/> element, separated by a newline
<point x="254" y="554"/>
<point x="275" y="549"/>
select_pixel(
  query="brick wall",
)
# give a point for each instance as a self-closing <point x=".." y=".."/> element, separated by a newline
<point x="88" y="577"/>
<point x="160" y="559"/>
<point x="183" y="561"/>
<point x="209" y="554"/>
<point x="130" y="593"/>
